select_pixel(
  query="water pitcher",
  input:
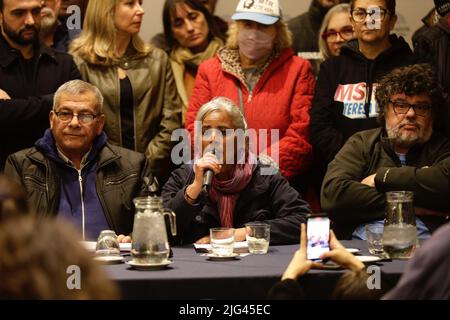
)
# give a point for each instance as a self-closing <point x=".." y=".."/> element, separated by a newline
<point x="400" y="233"/>
<point x="150" y="244"/>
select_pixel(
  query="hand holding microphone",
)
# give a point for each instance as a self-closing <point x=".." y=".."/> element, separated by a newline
<point x="205" y="168"/>
<point x="207" y="177"/>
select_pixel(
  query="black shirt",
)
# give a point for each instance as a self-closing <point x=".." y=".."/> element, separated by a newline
<point x="28" y="68"/>
<point x="127" y="114"/>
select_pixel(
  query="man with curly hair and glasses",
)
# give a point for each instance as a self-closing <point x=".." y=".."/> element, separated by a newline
<point x="411" y="134"/>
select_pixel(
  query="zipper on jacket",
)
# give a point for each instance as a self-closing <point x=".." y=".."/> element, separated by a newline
<point x="83" y="221"/>
<point x="249" y="99"/>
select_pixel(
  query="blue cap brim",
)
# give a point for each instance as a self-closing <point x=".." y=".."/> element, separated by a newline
<point x="257" y="17"/>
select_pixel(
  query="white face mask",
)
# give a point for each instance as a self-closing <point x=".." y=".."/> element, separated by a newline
<point x="255" y="44"/>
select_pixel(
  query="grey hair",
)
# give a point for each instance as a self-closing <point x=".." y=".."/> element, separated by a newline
<point x="223" y="104"/>
<point x="323" y="47"/>
<point x="77" y="87"/>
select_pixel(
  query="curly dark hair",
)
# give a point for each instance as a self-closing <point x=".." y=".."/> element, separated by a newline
<point x="35" y="254"/>
<point x="412" y="80"/>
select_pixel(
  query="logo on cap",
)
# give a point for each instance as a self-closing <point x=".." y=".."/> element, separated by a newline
<point x="262" y="11"/>
<point x="248" y="4"/>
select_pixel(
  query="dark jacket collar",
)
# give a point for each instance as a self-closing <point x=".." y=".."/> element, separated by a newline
<point x="9" y="54"/>
<point x="255" y="187"/>
<point x="399" y="48"/>
<point x="46" y="145"/>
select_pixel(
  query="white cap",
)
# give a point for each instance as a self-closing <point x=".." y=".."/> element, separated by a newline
<point x="262" y="11"/>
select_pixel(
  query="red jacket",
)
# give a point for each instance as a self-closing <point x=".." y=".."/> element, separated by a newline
<point x="281" y="99"/>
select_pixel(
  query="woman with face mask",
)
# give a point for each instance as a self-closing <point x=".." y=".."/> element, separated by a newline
<point x="258" y="71"/>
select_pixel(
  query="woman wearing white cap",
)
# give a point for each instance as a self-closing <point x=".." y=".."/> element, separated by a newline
<point x="259" y="72"/>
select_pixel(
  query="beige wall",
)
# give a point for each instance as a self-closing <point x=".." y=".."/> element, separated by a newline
<point x="410" y="14"/>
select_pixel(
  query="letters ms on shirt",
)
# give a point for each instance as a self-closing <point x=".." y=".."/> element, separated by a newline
<point x="353" y="96"/>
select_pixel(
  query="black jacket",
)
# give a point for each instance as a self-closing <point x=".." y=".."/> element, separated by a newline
<point x="24" y="118"/>
<point x="341" y="104"/>
<point x="267" y="198"/>
<point x="305" y="28"/>
<point x="119" y="178"/>
<point x="350" y="203"/>
<point x="431" y="185"/>
<point x="433" y="46"/>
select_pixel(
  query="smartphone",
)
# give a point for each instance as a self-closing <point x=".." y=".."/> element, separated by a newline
<point x="318" y="234"/>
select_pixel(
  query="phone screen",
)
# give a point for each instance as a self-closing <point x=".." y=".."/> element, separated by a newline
<point x="318" y="232"/>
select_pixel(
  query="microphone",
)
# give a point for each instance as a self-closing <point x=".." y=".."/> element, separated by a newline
<point x="207" y="178"/>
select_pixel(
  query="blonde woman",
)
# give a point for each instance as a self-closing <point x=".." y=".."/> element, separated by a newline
<point x="258" y="71"/>
<point x="141" y="104"/>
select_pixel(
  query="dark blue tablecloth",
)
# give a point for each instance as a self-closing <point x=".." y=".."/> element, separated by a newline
<point x="193" y="276"/>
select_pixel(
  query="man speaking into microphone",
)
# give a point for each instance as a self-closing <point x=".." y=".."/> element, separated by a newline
<point x="228" y="187"/>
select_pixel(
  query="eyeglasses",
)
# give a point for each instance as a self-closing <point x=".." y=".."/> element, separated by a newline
<point x="345" y="33"/>
<point x="375" y="13"/>
<point x="84" y="118"/>
<point x="401" y="107"/>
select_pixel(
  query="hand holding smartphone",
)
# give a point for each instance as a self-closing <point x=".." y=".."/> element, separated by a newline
<point x="318" y="234"/>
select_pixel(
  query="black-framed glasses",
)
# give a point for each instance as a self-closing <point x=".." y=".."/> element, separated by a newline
<point x="375" y="13"/>
<point x="346" y="33"/>
<point x="84" y="118"/>
<point x="401" y="107"/>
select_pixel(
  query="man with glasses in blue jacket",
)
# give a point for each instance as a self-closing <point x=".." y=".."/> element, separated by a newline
<point x="72" y="172"/>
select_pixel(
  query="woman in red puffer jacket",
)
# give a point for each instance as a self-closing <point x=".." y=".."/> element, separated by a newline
<point x="274" y="89"/>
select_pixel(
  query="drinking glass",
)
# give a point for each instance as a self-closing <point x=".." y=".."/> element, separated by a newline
<point x="374" y="235"/>
<point x="258" y="237"/>
<point x="107" y="244"/>
<point x="222" y="241"/>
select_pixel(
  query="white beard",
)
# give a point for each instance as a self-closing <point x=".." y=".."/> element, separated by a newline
<point x="409" y="140"/>
<point x="49" y="21"/>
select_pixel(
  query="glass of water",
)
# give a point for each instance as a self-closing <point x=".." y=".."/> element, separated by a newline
<point x="107" y="244"/>
<point x="222" y="241"/>
<point x="258" y="237"/>
<point x="374" y="234"/>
